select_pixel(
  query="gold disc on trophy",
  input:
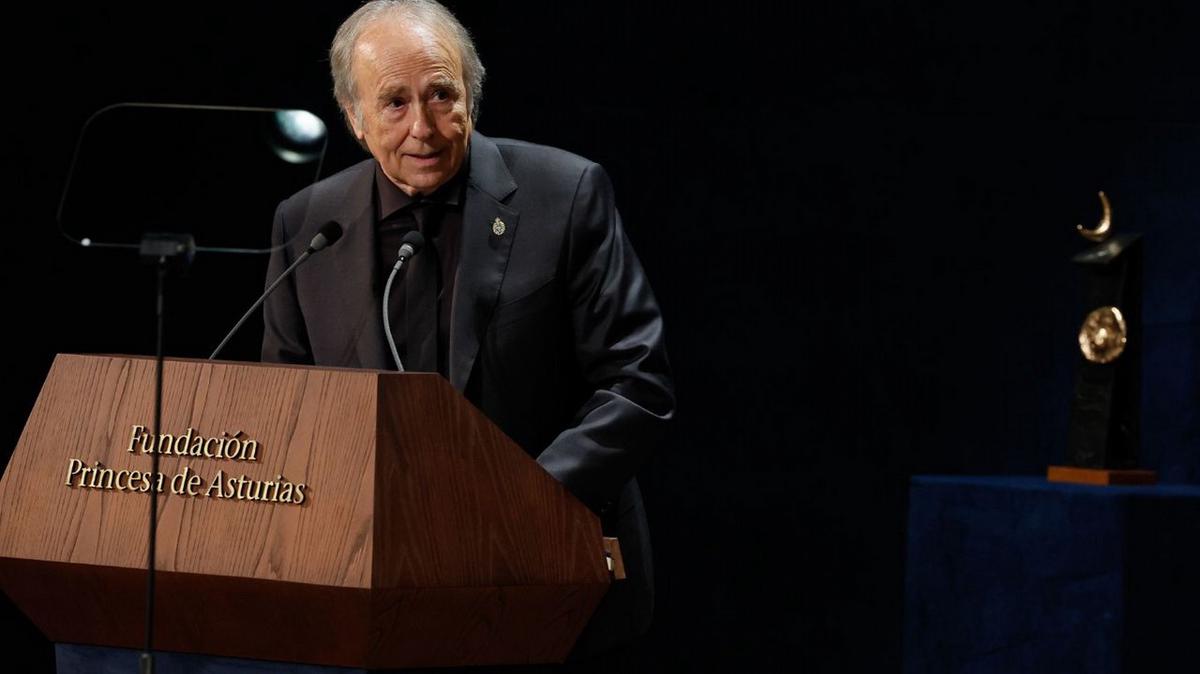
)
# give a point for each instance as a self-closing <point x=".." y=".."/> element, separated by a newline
<point x="1102" y="337"/>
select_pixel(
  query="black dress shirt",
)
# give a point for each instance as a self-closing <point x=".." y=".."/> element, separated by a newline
<point x="439" y="217"/>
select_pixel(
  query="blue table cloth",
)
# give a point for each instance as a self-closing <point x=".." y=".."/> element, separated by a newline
<point x="1016" y="574"/>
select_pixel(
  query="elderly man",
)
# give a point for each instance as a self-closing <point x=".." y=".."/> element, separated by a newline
<point x="527" y="297"/>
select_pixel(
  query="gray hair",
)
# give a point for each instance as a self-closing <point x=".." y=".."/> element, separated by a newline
<point x="426" y="12"/>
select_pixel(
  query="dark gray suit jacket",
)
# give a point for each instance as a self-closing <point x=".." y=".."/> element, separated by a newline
<point x="555" y="334"/>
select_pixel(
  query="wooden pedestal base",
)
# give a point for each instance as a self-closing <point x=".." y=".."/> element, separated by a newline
<point x="1099" y="476"/>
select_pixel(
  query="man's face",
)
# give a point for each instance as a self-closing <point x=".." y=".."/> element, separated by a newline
<point x="413" y="100"/>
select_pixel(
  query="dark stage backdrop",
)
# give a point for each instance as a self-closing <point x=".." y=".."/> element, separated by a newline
<point x="857" y="217"/>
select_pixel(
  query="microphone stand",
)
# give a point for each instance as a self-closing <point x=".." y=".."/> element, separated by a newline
<point x="161" y="250"/>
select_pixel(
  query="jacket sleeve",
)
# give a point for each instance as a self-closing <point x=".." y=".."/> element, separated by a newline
<point x="619" y="346"/>
<point x="285" y="336"/>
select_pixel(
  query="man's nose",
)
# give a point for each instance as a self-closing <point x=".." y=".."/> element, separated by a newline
<point x="422" y="123"/>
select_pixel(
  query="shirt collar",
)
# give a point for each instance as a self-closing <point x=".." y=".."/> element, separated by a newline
<point x="391" y="199"/>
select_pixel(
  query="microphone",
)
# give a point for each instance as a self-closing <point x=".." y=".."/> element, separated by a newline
<point x="328" y="235"/>
<point x="410" y="245"/>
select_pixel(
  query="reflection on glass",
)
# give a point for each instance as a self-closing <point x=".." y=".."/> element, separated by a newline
<point x="301" y="136"/>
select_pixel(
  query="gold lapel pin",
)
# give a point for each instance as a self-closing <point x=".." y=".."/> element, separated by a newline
<point x="498" y="227"/>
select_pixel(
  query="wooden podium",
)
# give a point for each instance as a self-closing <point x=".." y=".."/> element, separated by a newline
<point x="339" y="517"/>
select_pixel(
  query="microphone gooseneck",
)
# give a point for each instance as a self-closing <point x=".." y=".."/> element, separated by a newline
<point x="328" y="235"/>
<point x="410" y="245"/>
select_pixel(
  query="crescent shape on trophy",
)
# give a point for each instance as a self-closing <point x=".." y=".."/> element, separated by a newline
<point x="1104" y="228"/>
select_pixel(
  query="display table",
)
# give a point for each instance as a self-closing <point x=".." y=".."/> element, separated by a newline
<point x="1016" y="574"/>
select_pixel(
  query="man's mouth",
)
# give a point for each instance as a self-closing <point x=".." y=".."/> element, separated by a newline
<point x="424" y="156"/>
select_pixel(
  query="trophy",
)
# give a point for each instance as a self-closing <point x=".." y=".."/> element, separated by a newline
<point x="1105" y="430"/>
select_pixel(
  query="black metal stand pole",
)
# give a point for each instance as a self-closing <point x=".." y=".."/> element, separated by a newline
<point x="161" y="249"/>
<point x="146" y="662"/>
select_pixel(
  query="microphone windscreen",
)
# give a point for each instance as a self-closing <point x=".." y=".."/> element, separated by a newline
<point x="329" y="234"/>
<point x="415" y="240"/>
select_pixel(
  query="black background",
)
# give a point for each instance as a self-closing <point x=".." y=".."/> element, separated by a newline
<point x="857" y="217"/>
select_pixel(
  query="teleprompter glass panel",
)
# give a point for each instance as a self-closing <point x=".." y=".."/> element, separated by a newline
<point x="216" y="173"/>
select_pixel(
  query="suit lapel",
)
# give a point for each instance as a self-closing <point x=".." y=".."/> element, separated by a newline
<point x="483" y="256"/>
<point x="354" y="280"/>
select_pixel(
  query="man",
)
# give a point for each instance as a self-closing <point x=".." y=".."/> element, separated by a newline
<point x="528" y="296"/>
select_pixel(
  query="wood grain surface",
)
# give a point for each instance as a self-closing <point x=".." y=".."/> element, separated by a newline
<point x="313" y="426"/>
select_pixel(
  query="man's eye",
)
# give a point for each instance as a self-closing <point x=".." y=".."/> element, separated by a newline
<point x="441" y="95"/>
<point x="396" y="103"/>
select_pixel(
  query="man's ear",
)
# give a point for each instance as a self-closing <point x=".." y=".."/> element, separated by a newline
<point x="352" y="122"/>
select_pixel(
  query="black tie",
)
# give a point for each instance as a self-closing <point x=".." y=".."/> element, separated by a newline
<point x="422" y="283"/>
